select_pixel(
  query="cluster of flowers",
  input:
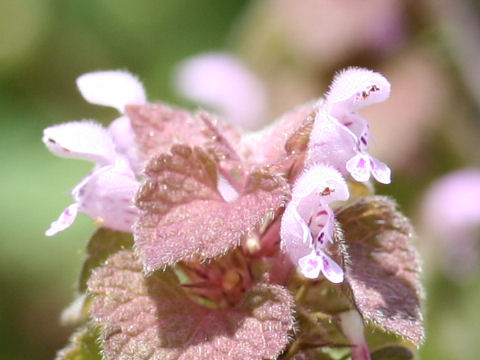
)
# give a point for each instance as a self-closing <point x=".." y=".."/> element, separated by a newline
<point x="337" y="152"/>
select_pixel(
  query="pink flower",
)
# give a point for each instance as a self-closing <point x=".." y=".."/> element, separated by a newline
<point x="308" y="222"/>
<point x="223" y="82"/>
<point x="340" y="137"/>
<point x="105" y="194"/>
<point x="451" y="216"/>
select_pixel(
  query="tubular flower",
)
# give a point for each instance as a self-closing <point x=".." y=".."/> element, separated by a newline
<point x="308" y="222"/>
<point x="106" y="194"/>
<point x="340" y="136"/>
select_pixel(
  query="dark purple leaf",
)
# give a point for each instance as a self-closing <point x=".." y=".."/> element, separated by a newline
<point x="382" y="267"/>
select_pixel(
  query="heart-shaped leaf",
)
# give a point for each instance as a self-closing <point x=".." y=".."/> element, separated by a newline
<point x="152" y="318"/>
<point x="185" y="217"/>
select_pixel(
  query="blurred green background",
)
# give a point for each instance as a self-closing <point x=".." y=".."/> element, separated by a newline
<point x="46" y="44"/>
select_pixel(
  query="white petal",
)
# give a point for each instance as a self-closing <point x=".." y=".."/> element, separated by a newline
<point x="223" y="82"/>
<point x="332" y="271"/>
<point x="380" y="171"/>
<point x="295" y="235"/>
<point x="323" y="180"/>
<point x="359" y="167"/>
<point x="107" y="196"/>
<point x="352" y="327"/>
<point x="82" y="140"/>
<point x="228" y="192"/>
<point x="65" y="220"/>
<point x="331" y="143"/>
<point x="355" y="88"/>
<point x="310" y="265"/>
<point x="124" y="139"/>
<point x="111" y="88"/>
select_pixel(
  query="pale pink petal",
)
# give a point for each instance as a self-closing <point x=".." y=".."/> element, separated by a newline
<point x="124" y="140"/>
<point x="355" y="123"/>
<point x="331" y="143"/>
<point x="453" y="203"/>
<point x="295" y="235"/>
<point x="111" y="88"/>
<point x="310" y="265"/>
<point x="107" y="196"/>
<point x="380" y="171"/>
<point x="65" y="220"/>
<point x="353" y="329"/>
<point x="325" y="180"/>
<point x="451" y="219"/>
<point x="332" y="271"/>
<point x="308" y="222"/>
<point x="359" y="167"/>
<point x="325" y="222"/>
<point x="223" y="82"/>
<point x="355" y="88"/>
<point x="228" y="192"/>
<point x="81" y="139"/>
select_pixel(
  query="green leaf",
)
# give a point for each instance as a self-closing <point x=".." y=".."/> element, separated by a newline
<point x="104" y="242"/>
<point x="84" y="345"/>
<point x="393" y="352"/>
<point x="382" y="267"/>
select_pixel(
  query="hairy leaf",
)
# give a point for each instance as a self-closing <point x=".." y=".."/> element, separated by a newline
<point x="84" y="345"/>
<point x="382" y="267"/>
<point x="289" y="135"/>
<point x="157" y="127"/>
<point x="104" y="242"/>
<point x="152" y="318"/>
<point x="185" y="217"/>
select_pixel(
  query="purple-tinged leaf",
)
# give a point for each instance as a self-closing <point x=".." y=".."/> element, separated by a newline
<point x="152" y="318"/>
<point x="383" y="268"/>
<point x="104" y="243"/>
<point x="157" y="127"/>
<point x="289" y="135"/>
<point x="185" y="217"/>
<point x="83" y="345"/>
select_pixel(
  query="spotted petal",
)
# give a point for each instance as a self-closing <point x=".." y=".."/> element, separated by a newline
<point x="323" y="179"/>
<point x="359" y="167"/>
<point x="355" y="88"/>
<point x="65" y="220"/>
<point x="313" y="264"/>
<point x="111" y="88"/>
<point x="82" y="140"/>
<point x="310" y="265"/>
<point x="380" y="171"/>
